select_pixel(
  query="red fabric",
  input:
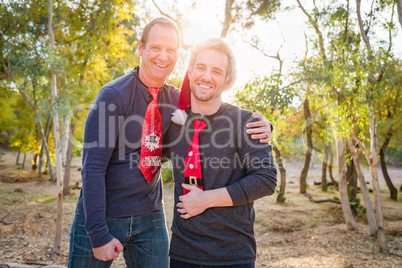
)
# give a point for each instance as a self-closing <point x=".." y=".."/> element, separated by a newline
<point x="192" y="164"/>
<point x="185" y="94"/>
<point x="151" y="141"/>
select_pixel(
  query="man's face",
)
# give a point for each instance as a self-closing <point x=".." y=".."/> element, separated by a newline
<point x="208" y="75"/>
<point x="159" y="55"/>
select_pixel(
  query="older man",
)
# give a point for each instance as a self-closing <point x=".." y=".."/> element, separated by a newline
<point x="120" y="207"/>
<point x="227" y="170"/>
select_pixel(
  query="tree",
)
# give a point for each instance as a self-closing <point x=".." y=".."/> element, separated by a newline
<point x="314" y="70"/>
<point x="274" y="102"/>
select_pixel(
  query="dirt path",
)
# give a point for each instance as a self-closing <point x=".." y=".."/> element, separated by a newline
<point x="297" y="233"/>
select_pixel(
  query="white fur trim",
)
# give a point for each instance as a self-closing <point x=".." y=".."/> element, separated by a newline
<point x="179" y="117"/>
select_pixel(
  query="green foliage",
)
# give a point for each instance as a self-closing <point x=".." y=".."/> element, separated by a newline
<point x="43" y="200"/>
<point x="267" y="96"/>
<point x="248" y="10"/>
<point x="167" y="172"/>
<point x="95" y="42"/>
<point x="355" y="203"/>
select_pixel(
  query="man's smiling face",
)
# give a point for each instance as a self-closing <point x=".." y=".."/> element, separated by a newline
<point x="158" y="55"/>
<point x="208" y="74"/>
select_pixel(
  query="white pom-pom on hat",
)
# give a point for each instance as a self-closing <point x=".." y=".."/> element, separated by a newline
<point x="179" y="117"/>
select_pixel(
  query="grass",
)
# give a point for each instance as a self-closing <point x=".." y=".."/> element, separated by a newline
<point x="43" y="200"/>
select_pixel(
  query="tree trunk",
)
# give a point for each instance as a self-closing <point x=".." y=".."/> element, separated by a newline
<point x="23" y="160"/>
<point x="331" y="162"/>
<point x="66" y="189"/>
<point x="49" y="165"/>
<point x="324" y="185"/>
<point x="399" y="7"/>
<point x="56" y="129"/>
<point x="343" y="188"/>
<point x="351" y="178"/>
<point x="303" y="176"/>
<point x="34" y="162"/>
<point x="282" y="170"/>
<point x="381" y="238"/>
<point x="64" y="140"/>
<point x="391" y="187"/>
<point x="366" y="195"/>
<point x="40" y="164"/>
<point x="18" y="156"/>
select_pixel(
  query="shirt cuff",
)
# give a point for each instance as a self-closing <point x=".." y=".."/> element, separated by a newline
<point x="100" y="239"/>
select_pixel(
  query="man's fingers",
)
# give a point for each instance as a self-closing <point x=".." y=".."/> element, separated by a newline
<point x="257" y="115"/>
<point x="119" y="247"/>
<point x="179" y="205"/>
<point x="181" y="211"/>
<point x="264" y="140"/>
<point x="187" y="186"/>
<point x="185" y="216"/>
<point x="261" y="136"/>
<point x="257" y="130"/>
<point x="257" y="124"/>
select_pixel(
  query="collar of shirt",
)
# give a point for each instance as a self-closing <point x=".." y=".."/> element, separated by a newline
<point x="197" y="116"/>
<point x="143" y="88"/>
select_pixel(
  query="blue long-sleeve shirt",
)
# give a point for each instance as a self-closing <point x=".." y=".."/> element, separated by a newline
<point x="112" y="184"/>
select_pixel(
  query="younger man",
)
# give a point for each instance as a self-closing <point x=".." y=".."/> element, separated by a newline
<point x="227" y="170"/>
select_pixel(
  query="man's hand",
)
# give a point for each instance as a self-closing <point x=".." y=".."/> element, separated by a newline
<point x="197" y="200"/>
<point x="109" y="251"/>
<point x="261" y="129"/>
<point x="193" y="203"/>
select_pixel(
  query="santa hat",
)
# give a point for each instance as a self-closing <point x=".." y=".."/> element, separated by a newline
<point x="179" y="116"/>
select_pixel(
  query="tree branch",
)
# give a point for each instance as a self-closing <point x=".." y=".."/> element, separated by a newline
<point x="363" y="148"/>
<point x="183" y="45"/>
<point x="228" y="18"/>
<point x="361" y="27"/>
<point x="23" y="92"/>
<point x="399" y="8"/>
<point x="321" y="200"/>
<point x="2" y="219"/>
<point x="277" y="57"/>
<point x="4" y="76"/>
<point x="317" y="30"/>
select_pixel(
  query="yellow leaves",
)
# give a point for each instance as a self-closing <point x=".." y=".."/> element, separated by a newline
<point x="124" y="12"/>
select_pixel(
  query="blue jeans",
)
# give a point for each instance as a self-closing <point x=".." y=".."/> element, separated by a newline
<point x="179" y="264"/>
<point x="144" y="238"/>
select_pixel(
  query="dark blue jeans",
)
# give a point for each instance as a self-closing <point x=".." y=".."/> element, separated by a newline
<point x="144" y="238"/>
<point x="179" y="264"/>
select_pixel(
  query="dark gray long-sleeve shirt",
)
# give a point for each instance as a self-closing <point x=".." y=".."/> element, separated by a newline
<point x="231" y="159"/>
<point x="112" y="184"/>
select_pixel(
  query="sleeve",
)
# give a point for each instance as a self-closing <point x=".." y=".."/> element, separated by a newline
<point x="259" y="166"/>
<point x="99" y="143"/>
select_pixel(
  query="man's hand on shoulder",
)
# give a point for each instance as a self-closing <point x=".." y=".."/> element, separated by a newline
<point x="261" y="129"/>
<point x="109" y="251"/>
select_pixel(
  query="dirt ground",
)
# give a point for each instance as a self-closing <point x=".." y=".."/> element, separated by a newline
<point x="297" y="233"/>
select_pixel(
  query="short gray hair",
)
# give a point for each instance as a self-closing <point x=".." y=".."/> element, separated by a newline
<point x="220" y="46"/>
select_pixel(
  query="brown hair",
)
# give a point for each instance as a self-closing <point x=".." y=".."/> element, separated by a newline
<point x="220" y="46"/>
<point x="162" y="21"/>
